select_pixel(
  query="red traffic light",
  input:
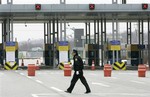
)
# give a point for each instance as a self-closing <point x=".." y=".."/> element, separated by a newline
<point x="144" y="6"/>
<point x="38" y="6"/>
<point x="91" y="6"/>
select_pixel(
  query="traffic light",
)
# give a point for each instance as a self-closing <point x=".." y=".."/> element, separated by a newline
<point x="91" y="6"/>
<point x="38" y="6"/>
<point x="144" y="6"/>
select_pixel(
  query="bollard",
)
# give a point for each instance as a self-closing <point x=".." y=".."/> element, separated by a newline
<point x="141" y="70"/>
<point x="31" y="69"/>
<point x="67" y="70"/>
<point x="37" y="65"/>
<point x="147" y="67"/>
<point x="93" y="65"/>
<point x="107" y="70"/>
<point x="22" y="64"/>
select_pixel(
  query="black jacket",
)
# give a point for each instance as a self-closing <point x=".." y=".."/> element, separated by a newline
<point x="78" y="63"/>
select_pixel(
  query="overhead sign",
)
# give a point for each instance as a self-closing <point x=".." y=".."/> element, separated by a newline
<point x="63" y="43"/>
<point x="115" y="42"/>
<point x="38" y="6"/>
<point x="10" y="43"/>
<point x="145" y="6"/>
<point x="91" y="6"/>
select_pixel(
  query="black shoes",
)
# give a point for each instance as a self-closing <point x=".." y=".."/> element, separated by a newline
<point x="67" y="92"/>
<point x="87" y="92"/>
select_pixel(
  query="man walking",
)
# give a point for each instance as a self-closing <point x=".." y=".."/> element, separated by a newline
<point x="78" y="73"/>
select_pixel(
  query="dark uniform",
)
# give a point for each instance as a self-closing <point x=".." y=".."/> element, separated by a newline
<point x="78" y="74"/>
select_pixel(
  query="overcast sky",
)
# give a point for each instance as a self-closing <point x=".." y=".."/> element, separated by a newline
<point x="35" y="31"/>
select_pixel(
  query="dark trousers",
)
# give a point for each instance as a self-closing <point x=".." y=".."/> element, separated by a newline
<point x="75" y="79"/>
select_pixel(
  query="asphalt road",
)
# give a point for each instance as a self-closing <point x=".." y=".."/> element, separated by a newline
<point x="53" y="83"/>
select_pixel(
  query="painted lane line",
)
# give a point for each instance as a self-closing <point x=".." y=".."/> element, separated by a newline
<point x="43" y="95"/>
<point x="54" y="88"/>
<point x="34" y="95"/>
<point x="16" y="71"/>
<point x="123" y="94"/>
<point x="101" y="84"/>
<point x="1" y="73"/>
<point x="114" y="77"/>
<point x="93" y="74"/>
<point x="138" y="82"/>
<point x="29" y="77"/>
<point x="22" y="74"/>
<point x="39" y="81"/>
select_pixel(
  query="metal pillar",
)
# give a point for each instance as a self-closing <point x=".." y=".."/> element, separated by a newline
<point x="55" y="39"/>
<point x="141" y="39"/>
<point x="114" y="1"/>
<point x="115" y="34"/>
<point x="88" y="32"/>
<point x="7" y="30"/>
<point x="103" y="38"/>
<point x="129" y="36"/>
<point x="148" y="42"/>
<point x="9" y="1"/>
<point x="62" y="1"/>
<point x="62" y="28"/>
<point x="96" y="40"/>
<point x="124" y="2"/>
<point x="51" y="29"/>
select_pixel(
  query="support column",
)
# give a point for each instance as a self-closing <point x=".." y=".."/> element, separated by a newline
<point x="141" y="39"/>
<point x="115" y="35"/>
<point x="87" y="32"/>
<point x="129" y="39"/>
<point x="96" y="41"/>
<point x="51" y="29"/>
<point x="62" y="28"/>
<point x="7" y="30"/>
<point x="114" y="1"/>
<point x="62" y="1"/>
<point x="9" y="1"/>
<point x="124" y="2"/>
<point x="148" y="42"/>
<point x="103" y="38"/>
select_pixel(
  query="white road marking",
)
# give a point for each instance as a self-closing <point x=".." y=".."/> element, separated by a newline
<point x="123" y="94"/>
<point x="114" y="77"/>
<point x="137" y="82"/>
<point x="93" y="74"/>
<point x="54" y="88"/>
<point x="43" y="95"/>
<point x="21" y="73"/>
<point x="29" y="77"/>
<point x="101" y="84"/>
<point x="39" y="81"/>
<point x="1" y="73"/>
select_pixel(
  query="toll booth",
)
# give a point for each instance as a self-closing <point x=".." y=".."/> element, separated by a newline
<point x="49" y="54"/>
<point x="92" y="54"/>
<point x="62" y="51"/>
<point x="114" y="51"/>
<point x="11" y="55"/>
<point x="134" y="54"/>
